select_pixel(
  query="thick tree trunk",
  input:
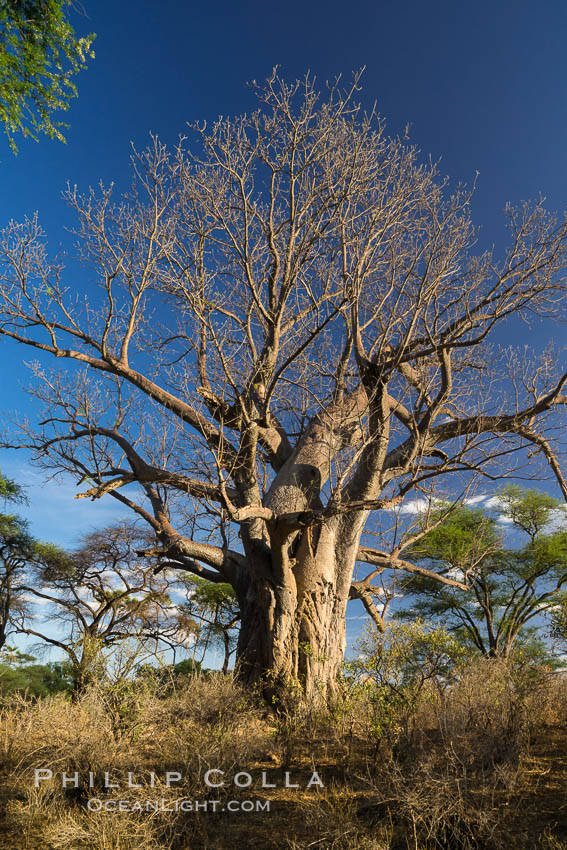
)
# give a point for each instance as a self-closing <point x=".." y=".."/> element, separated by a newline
<point x="281" y="649"/>
<point x="293" y="606"/>
<point x="293" y="632"/>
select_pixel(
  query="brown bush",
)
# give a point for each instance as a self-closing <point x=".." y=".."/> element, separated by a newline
<point x="460" y="773"/>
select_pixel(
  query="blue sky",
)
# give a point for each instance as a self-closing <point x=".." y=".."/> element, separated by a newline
<point x="482" y="84"/>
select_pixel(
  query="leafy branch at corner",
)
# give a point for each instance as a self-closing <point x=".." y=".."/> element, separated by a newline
<point x="39" y="55"/>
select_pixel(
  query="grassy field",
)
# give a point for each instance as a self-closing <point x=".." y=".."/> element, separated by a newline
<point x="482" y="764"/>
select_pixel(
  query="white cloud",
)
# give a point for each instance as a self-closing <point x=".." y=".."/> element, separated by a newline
<point x="415" y="506"/>
<point x="475" y="500"/>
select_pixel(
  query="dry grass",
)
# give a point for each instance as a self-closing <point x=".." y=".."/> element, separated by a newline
<point x="475" y="766"/>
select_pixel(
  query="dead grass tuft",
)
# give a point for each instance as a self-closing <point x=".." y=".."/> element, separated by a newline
<point x="472" y="766"/>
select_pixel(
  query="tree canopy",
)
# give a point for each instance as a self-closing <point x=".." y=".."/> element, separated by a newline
<point x="39" y="56"/>
<point x="16" y="552"/>
<point x="508" y="587"/>
<point x="214" y="609"/>
<point x="101" y="596"/>
<point x="38" y="680"/>
<point x="10" y="490"/>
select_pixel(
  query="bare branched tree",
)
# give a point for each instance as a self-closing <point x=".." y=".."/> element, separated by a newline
<point x="287" y="332"/>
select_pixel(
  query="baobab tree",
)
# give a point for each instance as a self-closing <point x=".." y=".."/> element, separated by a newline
<point x="287" y="331"/>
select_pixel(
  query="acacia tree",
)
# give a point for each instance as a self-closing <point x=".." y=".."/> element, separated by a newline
<point x="16" y="551"/>
<point x="100" y="595"/>
<point x="10" y="491"/>
<point x="508" y="588"/>
<point x="214" y="610"/>
<point x="291" y="332"/>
